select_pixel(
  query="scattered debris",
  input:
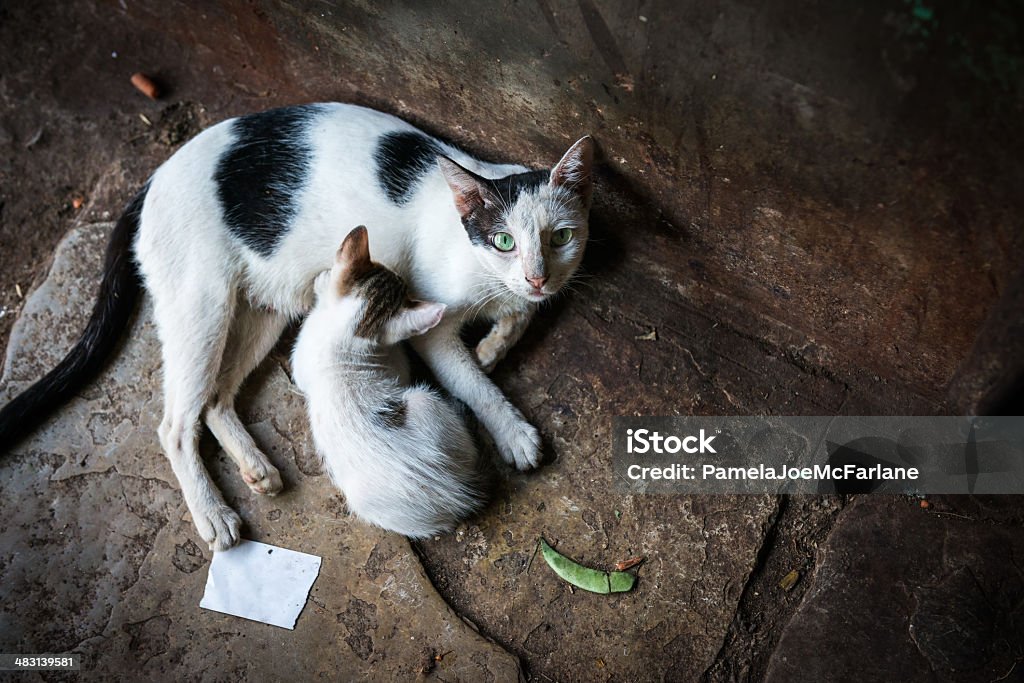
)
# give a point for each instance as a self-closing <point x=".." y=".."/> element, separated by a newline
<point x="588" y="579"/>
<point x="925" y="504"/>
<point x="628" y="564"/>
<point x="145" y="85"/>
<point x="789" y="580"/>
<point x="178" y="122"/>
<point x="17" y="290"/>
<point x="650" y="336"/>
<point x="145" y="119"/>
<point x="428" y="661"/>
<point x="77" y="201"/>
<point x="618" y="514"/>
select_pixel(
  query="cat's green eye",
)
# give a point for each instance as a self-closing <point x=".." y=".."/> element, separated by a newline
<point x="561" y="237"/>
<point x="503" y="241"/>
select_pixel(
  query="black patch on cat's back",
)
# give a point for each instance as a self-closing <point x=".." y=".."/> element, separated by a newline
<point x="402" y="159"/>
<point x="260" y="174"/>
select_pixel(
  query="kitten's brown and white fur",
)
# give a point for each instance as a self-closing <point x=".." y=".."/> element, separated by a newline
<point x="401" y="454"/>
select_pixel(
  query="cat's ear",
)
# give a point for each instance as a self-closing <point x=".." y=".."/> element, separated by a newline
<point x="352" y="259"/>
<point x="468" y="189"/>
<point x="355" y="248"/>
<point x="414" y="321"/>
<point x="575" y="170"/>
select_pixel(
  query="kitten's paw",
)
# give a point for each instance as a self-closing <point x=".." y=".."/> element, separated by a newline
<point x="220" y="526"/>
<point x="520" y="445"/>
<point x="265" y="480"/>
<point x="488" y="353"/>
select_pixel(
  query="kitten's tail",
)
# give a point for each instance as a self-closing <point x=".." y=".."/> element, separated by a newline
<point x="118" y="292"/>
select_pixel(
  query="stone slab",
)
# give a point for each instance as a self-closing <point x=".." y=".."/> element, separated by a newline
<point x="98" y="555"/>
<point x="902" y="593"/>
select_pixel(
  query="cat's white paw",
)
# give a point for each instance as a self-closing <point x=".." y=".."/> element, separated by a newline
<point x="520" y="445"/>
<point x="265" y="480"/>
<point x="488" y="353"/>
<point x="219" y="526"/>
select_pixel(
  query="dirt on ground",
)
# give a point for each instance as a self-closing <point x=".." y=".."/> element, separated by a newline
<point x="809" y="209"/>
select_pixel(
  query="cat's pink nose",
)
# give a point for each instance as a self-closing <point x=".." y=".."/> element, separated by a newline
<point x="537" y="282"/>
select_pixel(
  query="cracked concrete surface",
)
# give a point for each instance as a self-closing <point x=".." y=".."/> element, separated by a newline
<point x="98" y="507"/>
<point x="945" y="592"/>
<point x="97" y="546"/>
<point x="98" y="556"/>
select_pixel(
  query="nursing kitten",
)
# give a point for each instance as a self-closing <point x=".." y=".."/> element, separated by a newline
<point x="401" y="455"/>
<point x="230" y="232"/>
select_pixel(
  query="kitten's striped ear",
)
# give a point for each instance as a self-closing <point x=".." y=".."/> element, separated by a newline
<point x="575" y="170"/>
<point x="468" y="189"/>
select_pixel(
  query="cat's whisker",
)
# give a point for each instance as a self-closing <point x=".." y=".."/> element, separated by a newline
<point x="574" y="284"/>
<point x="484" y="288"/>
<point x="488" y="298"/>
<point x="476" y="307"/>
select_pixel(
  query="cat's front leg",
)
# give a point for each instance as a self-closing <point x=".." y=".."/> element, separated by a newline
<point x="455" y="366"/>
<point x="506" y="333"/>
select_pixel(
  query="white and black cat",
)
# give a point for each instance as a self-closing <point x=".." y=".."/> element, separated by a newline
<point x="230" y="232"/>
<point x="401" y="454"/>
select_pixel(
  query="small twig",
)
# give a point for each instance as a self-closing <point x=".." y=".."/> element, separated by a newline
<point x="530" y="563"/>
<point x="1007" y="674"/>
<point x="953" y="514"/>
<point x="35" y="138"/>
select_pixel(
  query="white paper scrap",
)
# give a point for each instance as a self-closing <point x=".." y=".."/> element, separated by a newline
<point x="260" y="582"/>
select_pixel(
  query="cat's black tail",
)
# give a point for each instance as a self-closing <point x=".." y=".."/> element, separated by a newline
<point x="110" y="315"/>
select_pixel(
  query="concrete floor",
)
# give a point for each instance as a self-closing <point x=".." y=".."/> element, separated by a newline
<point x="811" y="216"/>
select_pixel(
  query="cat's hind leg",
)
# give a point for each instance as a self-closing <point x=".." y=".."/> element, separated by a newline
<point x="253" y="334"/>
<point x="193" y="326"/>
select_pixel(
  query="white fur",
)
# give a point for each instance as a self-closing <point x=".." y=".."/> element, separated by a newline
<point x="220" y="307"/>
<point x="419" y="479"/>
